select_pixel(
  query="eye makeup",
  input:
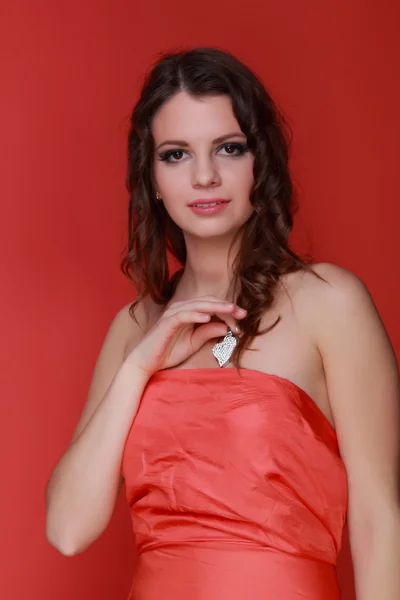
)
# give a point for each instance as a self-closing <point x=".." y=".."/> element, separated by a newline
<point x="237" y="146"/>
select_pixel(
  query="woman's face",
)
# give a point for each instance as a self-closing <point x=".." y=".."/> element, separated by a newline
<point x="190" y="164"/>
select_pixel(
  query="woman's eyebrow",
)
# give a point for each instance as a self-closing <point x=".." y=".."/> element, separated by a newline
<point x="217" y="140"/>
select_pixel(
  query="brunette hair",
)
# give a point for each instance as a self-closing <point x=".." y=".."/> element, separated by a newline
<point x="264" y="254"/>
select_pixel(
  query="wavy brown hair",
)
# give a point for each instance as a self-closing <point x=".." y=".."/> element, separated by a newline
<point x="264" y="254"/>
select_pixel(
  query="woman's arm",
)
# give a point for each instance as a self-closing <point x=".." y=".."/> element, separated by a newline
<point x="364" y="390"/>
<point x="84" y="486"/>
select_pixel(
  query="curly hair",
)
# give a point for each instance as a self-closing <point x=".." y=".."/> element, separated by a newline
<point x="264" y="254"/>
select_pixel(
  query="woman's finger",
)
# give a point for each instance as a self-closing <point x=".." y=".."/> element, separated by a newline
<point x="205" y="333"/>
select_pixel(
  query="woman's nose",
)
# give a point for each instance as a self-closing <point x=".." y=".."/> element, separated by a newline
<point x="204" y="172"/>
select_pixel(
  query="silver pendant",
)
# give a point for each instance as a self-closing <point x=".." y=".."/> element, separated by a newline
<point x="223" y="350"/>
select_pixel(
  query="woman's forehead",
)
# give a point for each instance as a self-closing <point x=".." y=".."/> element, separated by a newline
<point x="187" y="118"/>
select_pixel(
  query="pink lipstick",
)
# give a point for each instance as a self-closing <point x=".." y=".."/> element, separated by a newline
<point x="208" y="206"/>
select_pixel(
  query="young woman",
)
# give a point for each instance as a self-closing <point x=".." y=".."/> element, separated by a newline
<point x="251" y="404"/>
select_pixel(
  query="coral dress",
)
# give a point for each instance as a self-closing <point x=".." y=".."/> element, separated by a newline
<point x="236" y="489"/>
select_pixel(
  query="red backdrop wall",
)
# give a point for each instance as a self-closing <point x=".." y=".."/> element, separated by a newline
<point x="70" y="75"/>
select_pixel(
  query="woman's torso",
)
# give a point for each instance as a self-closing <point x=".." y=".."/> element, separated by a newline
<point x="234" y="480"/>
<point x="289" y="350"/>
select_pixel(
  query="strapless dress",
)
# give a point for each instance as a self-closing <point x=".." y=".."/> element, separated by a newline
<point x="236" y="489"/>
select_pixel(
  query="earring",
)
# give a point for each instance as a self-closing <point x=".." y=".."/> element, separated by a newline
<point x="158" y="197"/>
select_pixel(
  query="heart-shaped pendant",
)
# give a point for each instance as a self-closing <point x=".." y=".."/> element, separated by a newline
<point x="223" y="350"/>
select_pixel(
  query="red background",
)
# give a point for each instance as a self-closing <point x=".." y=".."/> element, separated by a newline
<point x="69" y="76"/>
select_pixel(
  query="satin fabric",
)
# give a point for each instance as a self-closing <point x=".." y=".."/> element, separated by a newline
<point x="236" y="489"/>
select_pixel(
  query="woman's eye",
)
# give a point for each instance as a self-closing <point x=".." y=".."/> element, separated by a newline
<point x="174" y="156"/>
<point x="166" y="156"/>
<point x="241" y="148"/>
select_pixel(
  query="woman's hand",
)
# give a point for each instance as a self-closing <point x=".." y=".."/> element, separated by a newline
<point x="176" y="335"/>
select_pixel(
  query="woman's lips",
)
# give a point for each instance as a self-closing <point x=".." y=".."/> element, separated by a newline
<point x="209" y="208"/>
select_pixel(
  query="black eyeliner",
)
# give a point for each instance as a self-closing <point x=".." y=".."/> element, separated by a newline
<point x="241" y="147"/>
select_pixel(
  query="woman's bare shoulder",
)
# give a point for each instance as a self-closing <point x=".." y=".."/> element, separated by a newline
<point x="138" y="321"/>
<point x="340" y="291"/>
<point x="335" y="280"/>
<point x="313" y="298"/>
